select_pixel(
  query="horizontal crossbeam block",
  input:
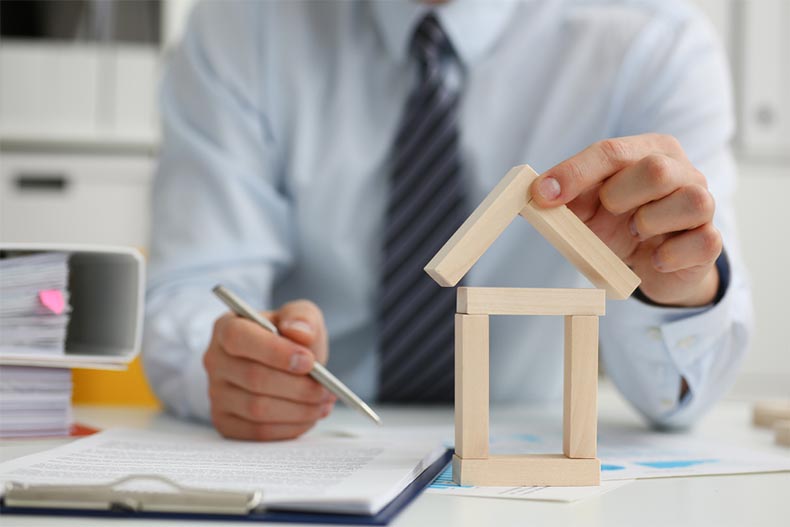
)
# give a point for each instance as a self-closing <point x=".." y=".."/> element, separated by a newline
<point x="766" y="413"/>
<point x="782" y="430"/>
<point x="553" y="470"/>
<point x="530" y="301"/>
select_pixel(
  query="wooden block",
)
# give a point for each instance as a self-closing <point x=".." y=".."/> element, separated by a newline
<point x="782" y="431"/>
<point x="526" y="301"/>
<point x="551" y="470"/>
<point x="576" y="242"/>
<point x="580" y="399"/>
<point x="766" y="413"/>
<point x="471" y="386"/>
<point x="479" y="231"/>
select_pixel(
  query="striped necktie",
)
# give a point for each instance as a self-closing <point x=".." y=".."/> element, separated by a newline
<point x="426" y="205"/>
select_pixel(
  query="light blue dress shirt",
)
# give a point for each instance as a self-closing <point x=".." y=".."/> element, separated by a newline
<point x="278" y="120"/>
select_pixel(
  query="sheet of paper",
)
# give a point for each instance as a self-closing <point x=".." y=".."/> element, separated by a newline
<point x="637" y="454"/>
<point x="330" y="474"/>
<point x="444" y="485"/>
<point x="625" y="456"/>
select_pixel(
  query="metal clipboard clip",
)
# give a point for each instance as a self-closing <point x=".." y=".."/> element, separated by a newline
<point x="107" y="496"/>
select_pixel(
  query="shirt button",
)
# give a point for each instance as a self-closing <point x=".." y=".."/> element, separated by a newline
<point x="654" y="333"/>
<point x="687" y="342"/>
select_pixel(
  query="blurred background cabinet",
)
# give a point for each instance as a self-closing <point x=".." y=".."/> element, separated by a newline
<point x="78" y="118"/>
<point x="75" y="197"/>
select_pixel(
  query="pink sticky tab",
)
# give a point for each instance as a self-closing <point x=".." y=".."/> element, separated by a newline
<point x="52" y="299"/>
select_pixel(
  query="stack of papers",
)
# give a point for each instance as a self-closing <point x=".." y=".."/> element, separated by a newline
<point x="34" y="318"/>
<point x="34" y="402"/>
<point x="34" y="311"/>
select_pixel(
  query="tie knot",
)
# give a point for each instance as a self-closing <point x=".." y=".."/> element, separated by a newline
<point x="430" y="42"/>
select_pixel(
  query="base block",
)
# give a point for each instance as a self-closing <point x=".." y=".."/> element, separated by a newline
<point x="782" y="430"/>
<point x="549" y="470"/>
<point x="766" y="413"/>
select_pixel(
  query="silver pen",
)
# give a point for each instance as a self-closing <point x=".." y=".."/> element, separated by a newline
<point x="323" y="376"/>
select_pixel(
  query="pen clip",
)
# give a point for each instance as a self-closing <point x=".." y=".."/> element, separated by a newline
<point x="181" y="499"/>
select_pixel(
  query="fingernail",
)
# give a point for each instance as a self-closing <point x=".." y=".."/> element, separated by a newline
<point x="326" y="408"/>
<point x="328" y="396"/>
<point x="657" y="263"/>
<point x="300" y="362"/>
<point x="297" y="325"/>
<point x="632" y="228"/>
<point x="549" y="188"/>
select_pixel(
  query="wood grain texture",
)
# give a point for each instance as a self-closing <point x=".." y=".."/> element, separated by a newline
<point x="579" y="245"/>
<point x="580" y="399"/>
<point x="471" y="386"/>
<point x="479" y="231"/>
<point x="552" y="470"/>
<point x="530" y="301"/>
<point x="766" y="413"/>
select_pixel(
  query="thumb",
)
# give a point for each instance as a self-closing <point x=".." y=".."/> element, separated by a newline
<point x="302" y="322"/>
<point x="546" y="191"/>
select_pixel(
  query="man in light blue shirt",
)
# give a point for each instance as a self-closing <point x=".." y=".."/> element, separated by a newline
<point x="279" y="123"/>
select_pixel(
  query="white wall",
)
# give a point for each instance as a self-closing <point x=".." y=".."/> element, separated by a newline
<point x="757" y="35"/>
<point x="764" y="228"/>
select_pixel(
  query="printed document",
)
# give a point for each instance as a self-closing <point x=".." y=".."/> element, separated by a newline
<point x="314" y="473"/>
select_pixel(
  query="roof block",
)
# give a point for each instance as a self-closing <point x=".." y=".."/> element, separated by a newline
<point x="478" y="232"/>
<point x="561" y="227"/>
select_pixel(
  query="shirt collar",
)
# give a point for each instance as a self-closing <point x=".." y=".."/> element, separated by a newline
<point x="473" y="26"/>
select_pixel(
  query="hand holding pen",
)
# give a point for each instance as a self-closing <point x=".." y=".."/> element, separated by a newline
<point x="267" y="385"/>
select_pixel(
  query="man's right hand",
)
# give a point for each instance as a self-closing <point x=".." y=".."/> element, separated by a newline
<point x="258" y="383"/>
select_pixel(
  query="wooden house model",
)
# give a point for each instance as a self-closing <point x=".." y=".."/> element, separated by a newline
<point x="578" y="464"/>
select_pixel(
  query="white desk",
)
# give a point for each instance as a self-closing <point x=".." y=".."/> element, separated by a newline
<point x="757" y="499"/>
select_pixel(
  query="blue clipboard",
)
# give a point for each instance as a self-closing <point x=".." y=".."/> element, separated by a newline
<point x="383" y="517"/>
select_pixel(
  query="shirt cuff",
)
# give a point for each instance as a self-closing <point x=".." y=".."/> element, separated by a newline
<point x="198" y="338"/>
<point x="656" y="347"/>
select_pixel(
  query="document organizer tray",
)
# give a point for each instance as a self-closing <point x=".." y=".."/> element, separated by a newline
<point x="106" y="288"/>
<point x="188" y="503"/>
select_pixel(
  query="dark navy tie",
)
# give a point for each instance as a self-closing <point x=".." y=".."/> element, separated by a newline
<point x="426" y="205"/>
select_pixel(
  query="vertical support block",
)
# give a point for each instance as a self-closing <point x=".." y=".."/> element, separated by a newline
<point x="471" y="386"/>
<point x="580" y="401"/>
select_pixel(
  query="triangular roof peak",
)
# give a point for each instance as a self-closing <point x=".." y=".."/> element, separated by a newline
<point x="561" y="227"/>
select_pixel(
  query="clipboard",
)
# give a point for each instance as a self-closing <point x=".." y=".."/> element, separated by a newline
<point x="104" y="501"/>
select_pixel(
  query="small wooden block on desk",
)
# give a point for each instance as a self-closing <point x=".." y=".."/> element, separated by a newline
<point x="580" y="399"/>
<point x="766" y="413"/>
<point x="554" y="470"/>
<point x="527" y="301"/>
<point x="471" y="386"/>
<point x="478" y="232"/>
<point x="576" y="242"/>
<point x="782" y="431"/>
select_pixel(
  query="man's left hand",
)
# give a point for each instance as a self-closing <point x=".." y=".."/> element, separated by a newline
<point x="643" y="197"/>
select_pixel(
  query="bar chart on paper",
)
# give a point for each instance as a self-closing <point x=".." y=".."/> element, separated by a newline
<point x="637" y="454"/>
<point x="625" y="456"/>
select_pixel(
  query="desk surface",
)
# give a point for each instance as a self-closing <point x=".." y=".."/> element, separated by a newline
<point x="754" y="499"/>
